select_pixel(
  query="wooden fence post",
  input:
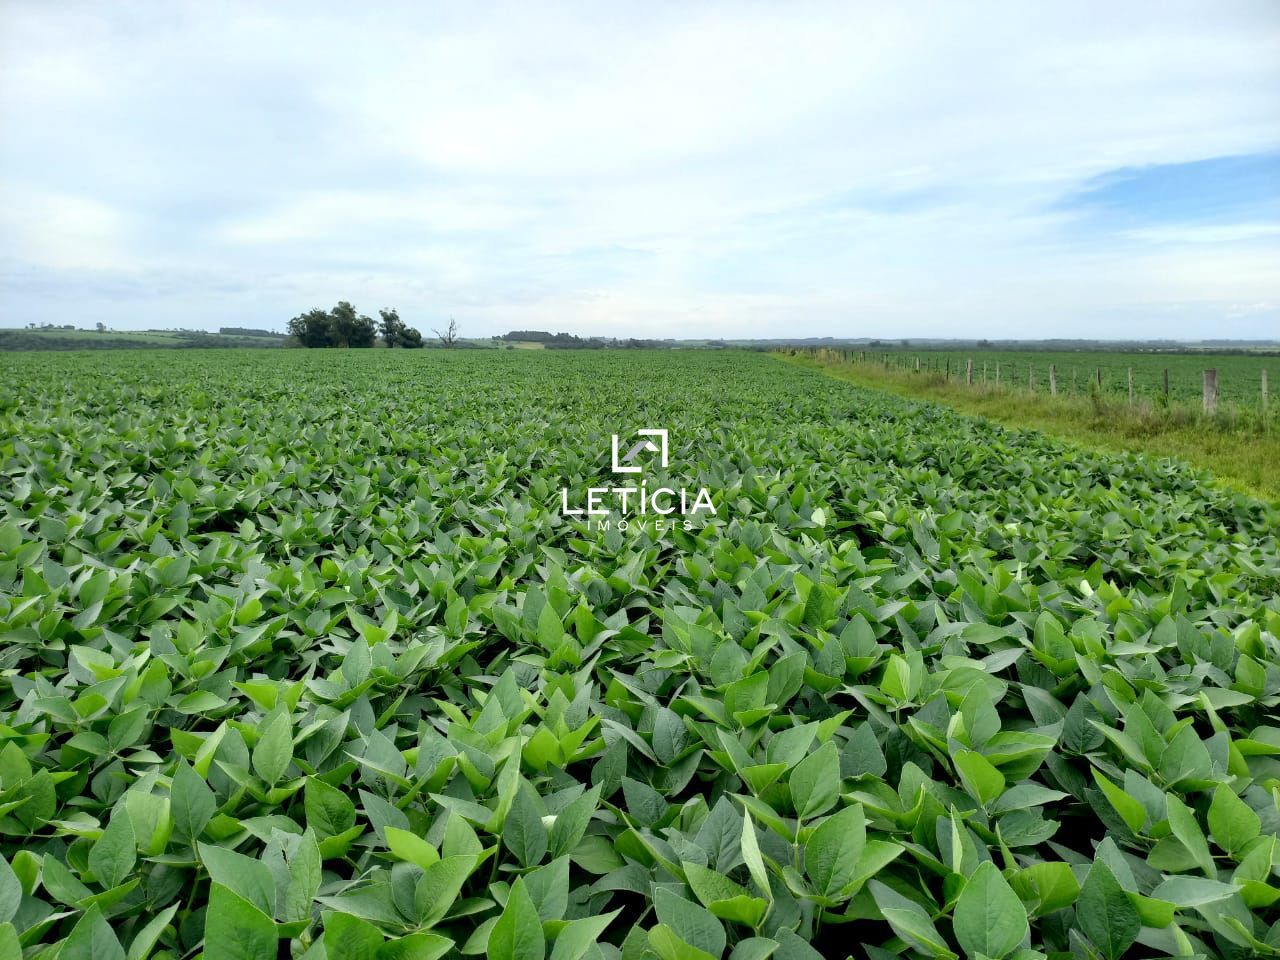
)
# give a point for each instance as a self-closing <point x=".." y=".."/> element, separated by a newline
<point x="1131" y="386"/>
<point x="1053" y="379"/>
<point x="1166" y="386"/>
<point x="917" y="364"/>
<point x="1264" y="391"/>
<point x="1211" y="390"/>
<point x="1099" y="378"/>
<point x="984" y="372"/>
<point x="968" y="372"/>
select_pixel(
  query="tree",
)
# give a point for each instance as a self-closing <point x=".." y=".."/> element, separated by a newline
<point x="450" y="335"/>
<point x="392" y="328"/>
<point x="311" y="329"/>
<point x="344" y="327"/>
<point x="349" y="329"/>
<point x="102" y="327"/>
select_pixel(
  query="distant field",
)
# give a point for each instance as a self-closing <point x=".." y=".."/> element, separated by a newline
<point x="24" y="339"/>
<point x="133" y="336"/>
<point x="1239" y="375"/>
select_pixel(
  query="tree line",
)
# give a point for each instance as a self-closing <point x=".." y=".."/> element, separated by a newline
<point x="343" y="326"/>
<point x="570" y="341"/>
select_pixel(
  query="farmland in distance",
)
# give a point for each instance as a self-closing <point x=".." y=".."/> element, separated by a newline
<point x="1239" y="374"/>
<point x="299" y="649"/>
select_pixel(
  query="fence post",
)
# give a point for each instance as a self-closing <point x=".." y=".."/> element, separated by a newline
<point x="1099" y="378"/>
<point x="984" y="372"/>
<point x="1166" y="386"/>
<point x="917" y="364"/>
<point x="948" y="368"/>
<point x="1264" y="391"/>
<point x="968" y="372"/>
<point x="1211" y="390"/>
<point x="1053" y="379"/>
<point x="1131" y="386"/>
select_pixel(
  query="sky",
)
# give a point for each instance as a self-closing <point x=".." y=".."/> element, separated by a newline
<point x="655" y="169"/>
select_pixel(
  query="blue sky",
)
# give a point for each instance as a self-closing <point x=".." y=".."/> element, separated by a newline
<point x="704" y="169"/>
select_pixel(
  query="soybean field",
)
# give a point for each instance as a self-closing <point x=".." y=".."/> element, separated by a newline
<point x="302" y="654"/>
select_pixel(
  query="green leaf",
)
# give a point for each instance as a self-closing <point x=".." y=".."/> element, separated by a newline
<point x="1182" y="821"/>
<point x="548" y="887"/>
<point x="249" y="879"/>
<point x="909" y="920"/>
<point x="982" y="780"/>
<point x="416" y="946"/>
<point x="523" y="832"/>
<point x="666" y="943"/>
<point x="113" y="856"/>
<point x="191" y="801"/>
<point x="578" y="936"/>
<point x="989" y="918"/>
<point x="91" y="939"/>
<point x="1193" y="891"/>
<point x="410" y="847"/>
<point x="693" y="924"/>
<point x="898" y="683"/>
<point x="1232" y="824"/>
<point x="274" y="750"/>
<point x="146" y="938"/>
<point x="722" y="897"/>
<point x="237" y="930"/>
<point x="439" y="887"/>
<point x="1131" y="811"/>
<point x="832" y="852"/>
<point x="328" y="811"/>
<point x="10" y="891"/>
<point x="1047" y="887"/>
<point x="815" y="781"/>
<point x="1105" y="914"/>
<point x="752" y="857"/>
<point x="518" y="933"/>
<point x="571" y="822"/>
<point x="350" y="938"/>
<point x="1024" y="796"/>
<point x="304" y="877"/>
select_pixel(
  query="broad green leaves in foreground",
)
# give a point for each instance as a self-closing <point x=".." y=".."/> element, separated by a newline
<point x="300" y="655"/>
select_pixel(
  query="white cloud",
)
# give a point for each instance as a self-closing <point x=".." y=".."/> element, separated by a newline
<point x="825" y="168"/>
<point x="62" y="231"/>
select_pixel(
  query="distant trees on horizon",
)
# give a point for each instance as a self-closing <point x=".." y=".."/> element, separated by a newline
<point x="248" y="332"/>
<point x="344" y="327"/>
<point x="571" y="341"/>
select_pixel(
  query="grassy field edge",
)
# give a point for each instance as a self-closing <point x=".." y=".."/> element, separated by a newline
<point x="1243" y="459"/>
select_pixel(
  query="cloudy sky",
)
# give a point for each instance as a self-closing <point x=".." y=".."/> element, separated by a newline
<point x="1095" y="169"/>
